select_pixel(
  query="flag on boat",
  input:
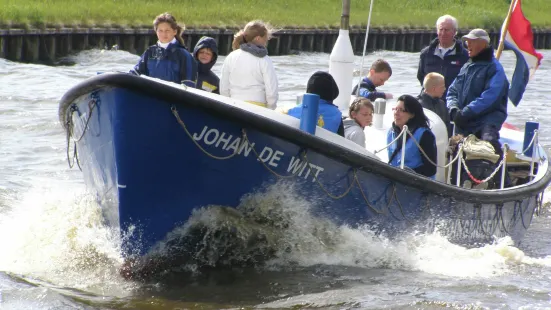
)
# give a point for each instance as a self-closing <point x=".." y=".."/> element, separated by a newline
<point x="520" y="39"/>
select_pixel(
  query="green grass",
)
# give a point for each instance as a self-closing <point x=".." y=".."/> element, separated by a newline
<point x="280" y="13"/>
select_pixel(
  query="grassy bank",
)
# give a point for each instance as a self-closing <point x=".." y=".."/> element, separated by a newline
<point x="281" y="13"/>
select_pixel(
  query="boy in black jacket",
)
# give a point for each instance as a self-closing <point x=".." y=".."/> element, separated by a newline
<point x="206" y="53"/>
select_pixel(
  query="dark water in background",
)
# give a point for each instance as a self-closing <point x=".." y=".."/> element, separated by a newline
<point x="56" y="254"/>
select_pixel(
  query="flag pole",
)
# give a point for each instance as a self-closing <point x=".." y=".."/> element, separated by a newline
<point x="504" y="29"/>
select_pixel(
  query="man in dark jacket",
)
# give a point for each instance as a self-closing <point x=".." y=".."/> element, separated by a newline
<point x="206" y="54"/>
<point x="445" y="54"/>
<point x="477" y="99"/>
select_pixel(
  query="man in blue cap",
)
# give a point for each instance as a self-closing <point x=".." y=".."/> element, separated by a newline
<point x="477" y="99"/>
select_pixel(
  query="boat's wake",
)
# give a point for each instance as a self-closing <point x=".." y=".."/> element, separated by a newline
<point x="47" y="235"/>
<point x="275" y="229"/>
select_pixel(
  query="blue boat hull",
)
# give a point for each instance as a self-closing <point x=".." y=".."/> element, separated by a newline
<point x="154" y="153"/>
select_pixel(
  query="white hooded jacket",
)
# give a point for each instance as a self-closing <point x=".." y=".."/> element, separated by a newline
<point x="250" y="78"/>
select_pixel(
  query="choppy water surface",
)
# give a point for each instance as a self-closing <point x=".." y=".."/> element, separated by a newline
<point x="56" y="254"/>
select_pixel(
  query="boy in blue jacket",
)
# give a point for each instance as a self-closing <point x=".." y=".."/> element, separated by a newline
<point x="378" y="74"/>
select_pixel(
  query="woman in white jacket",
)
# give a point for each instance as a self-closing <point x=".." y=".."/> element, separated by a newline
<point x="248" y="73"/>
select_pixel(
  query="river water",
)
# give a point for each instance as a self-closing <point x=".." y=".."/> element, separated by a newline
<point x="56" y="254"/>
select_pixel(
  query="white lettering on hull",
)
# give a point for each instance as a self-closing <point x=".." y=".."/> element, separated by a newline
<point x="269" y="156"/>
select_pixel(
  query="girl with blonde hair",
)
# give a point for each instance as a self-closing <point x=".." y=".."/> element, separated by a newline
<point x="248" y="73"/>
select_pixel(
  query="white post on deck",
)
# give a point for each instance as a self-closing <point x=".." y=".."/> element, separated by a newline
<point x="460" y="156"/>
<point x="404" y="137"/>
<point x="449" y="180"/>
<point x="504" y="166"/>
<point x="341" y="60"/>
<point x="534" y="146"/>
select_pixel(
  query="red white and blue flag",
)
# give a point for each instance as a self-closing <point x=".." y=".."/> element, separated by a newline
<point x="520" y="39"/>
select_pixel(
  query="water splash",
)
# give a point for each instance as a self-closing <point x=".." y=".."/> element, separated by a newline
<point x="275" y="229"/>
<point x="56" y="237"/>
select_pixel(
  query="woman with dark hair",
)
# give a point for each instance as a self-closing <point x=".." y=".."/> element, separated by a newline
<point x="408" y="111"/>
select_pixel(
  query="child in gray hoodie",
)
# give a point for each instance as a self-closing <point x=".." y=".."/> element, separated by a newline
<point x="360" y="115"/>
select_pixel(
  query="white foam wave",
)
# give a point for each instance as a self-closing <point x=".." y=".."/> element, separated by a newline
<point x="55" y="234"/>
<point x="308" y="241"/>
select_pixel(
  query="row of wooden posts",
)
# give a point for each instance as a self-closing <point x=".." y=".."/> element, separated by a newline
<point x="52" y="45"/>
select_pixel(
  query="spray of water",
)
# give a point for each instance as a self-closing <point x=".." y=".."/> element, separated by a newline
<point x="59" y="238"/>
<point x="56" y="237"/>
<point x="274" y="228"/>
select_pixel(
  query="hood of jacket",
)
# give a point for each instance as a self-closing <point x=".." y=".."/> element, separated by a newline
<point x="322" y="83"/>
<point x="206" y="42"/>
<point x="350" y="123"/>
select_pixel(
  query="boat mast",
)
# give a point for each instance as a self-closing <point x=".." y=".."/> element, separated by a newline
<point x="341" y="61"/>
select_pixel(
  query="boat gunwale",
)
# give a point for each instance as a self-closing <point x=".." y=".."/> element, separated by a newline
<point x="294" y="135"/>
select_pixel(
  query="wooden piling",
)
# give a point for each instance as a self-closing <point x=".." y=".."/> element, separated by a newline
<point x="373" y="42"/>
<point x="354" y="40"/>
<point x="31" y="49"/>
<point x="48" y="44"/>
<point x="47" y="48"/>
<point x="319" y="42"/>
<point x="296" y="44"/>
<point x="16" y="48"/>
<point x="384" y="42"/>
<point x="310" y="43"/>
<point x="393" y="41"/>
<point x="287" y="43"/>
<point x="3" y="43"/>
<point x="537" y="38"/>
<point x="229" y="48"/>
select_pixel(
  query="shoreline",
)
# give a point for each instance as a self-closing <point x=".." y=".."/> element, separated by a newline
<point x="49" y="45"/>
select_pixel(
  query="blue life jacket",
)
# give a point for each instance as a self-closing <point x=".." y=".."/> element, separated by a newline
<point x="329" y="116"/>
<point x="413" y="157"/>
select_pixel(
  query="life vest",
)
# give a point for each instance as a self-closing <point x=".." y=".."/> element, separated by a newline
<point x="329" y="116"/>
<point x="413" y="157"/>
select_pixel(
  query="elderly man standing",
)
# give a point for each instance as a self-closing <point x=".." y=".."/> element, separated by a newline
<point x="477" y="99"/>
<point x="445" y="54"/>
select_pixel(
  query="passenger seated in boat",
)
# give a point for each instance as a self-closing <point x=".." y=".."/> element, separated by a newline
<point x="248" y="73"/>
<point x="168" y="59"/>
<point x="206" y="54"/>
<point x="409" y="111"/>
<point x="329" y="116"/>
<point x="378" y="74"/>
<point x="434" y="86"/>
<point x="477" y="99"/>
<point x="360" y="115"/>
